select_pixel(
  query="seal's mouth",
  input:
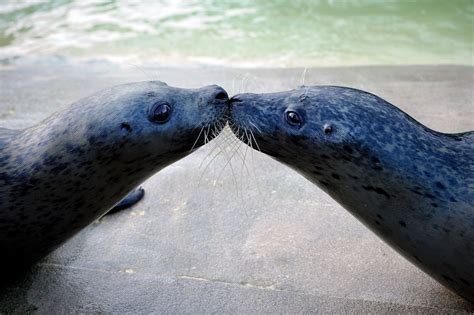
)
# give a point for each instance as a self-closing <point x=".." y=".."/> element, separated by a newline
<point x="235" y="99"/>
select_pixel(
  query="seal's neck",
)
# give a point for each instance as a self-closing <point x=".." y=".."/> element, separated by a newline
<point x="411" y="172"/>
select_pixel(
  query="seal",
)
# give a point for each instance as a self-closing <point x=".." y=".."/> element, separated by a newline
<point x="412" y="186"/>
<point x="61" y="175"/>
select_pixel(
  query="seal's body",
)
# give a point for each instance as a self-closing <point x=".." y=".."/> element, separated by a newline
<point x="61" y="175"/>
<point x="412" y="186"/>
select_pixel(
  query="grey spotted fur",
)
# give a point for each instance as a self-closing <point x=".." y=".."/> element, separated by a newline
<point x="412" y="186"/>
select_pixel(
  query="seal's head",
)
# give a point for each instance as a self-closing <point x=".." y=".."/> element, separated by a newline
<point x="116" y="138"/>
<point x="144" y="122"/>
<point x="323" y="131"/>
<point x="285" y="125"/>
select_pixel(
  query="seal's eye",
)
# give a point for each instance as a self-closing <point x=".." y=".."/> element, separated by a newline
<point x="160" y="113"/>
<point x="293" y="118"/>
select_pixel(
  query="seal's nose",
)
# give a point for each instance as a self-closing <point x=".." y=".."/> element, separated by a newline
<point x="217" y="93"/>
<point x="235" y="99"/>
<point x="221" y="95"/>
<point x="240" y="98"/>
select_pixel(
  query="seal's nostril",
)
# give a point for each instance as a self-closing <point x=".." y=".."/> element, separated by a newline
<point x="235" y="100"/>
<point x="222" y="96"/>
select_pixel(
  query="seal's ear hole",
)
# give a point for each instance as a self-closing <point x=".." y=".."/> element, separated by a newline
<point x="126" y="126"/>
<point x="160" y="113"/>
<point x="293" y="118"/>
<point x="327" y="128"/>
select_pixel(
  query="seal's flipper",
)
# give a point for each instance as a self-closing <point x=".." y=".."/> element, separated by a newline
<point x="132" y="198"/>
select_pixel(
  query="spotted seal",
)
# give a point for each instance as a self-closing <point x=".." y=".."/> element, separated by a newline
<point x="59" y="176"/>
<point x="412" y="186"/>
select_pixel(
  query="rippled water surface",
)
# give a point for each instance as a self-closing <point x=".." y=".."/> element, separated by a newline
<point x="263" y="33"/>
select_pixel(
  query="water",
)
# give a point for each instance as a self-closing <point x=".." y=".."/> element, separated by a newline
<point x="293" y="33"/>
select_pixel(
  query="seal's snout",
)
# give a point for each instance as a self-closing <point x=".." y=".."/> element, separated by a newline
<point x="216" y="93"/>
<point x="222" y="96"/>
<point x="235" y="99"/>
<point x="240" y="99"/>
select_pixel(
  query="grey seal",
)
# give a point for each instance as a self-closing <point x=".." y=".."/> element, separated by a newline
<point x="412" y="186"/>
<point x="61" y="175"/>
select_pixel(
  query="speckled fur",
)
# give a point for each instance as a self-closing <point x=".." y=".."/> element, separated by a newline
<point x="61" y="175"/>
<point x="412" y="186"/>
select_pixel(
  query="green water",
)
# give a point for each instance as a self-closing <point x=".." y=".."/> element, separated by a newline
<point x="242" y="33"/>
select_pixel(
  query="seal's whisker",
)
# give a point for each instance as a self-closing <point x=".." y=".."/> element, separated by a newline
<point x="242" y="82"/>
<point x="234" y="177"/>
<point x="238" y="147"/>
<point x="235" y="141"/>
<point x="208" y="164"/>
<point x="197" y="139"/>
<point x="256" y="143"/>
<point x="230" y="142"/>
<point x="245" y="156"/>
<point x="258" y="129"/>
<point x="231" y="138"/>
<point x="233" y="154"/>
<point x="209" y="154"/>
<point x="303" y="78"/>
<point x="244" y="165"/>
<point x="254" y="172"/>
<point x="147" y="75"/>
<point x="218" y="153"/>
<point x="248" y="139"/>
<point x="214" y="131"/>
<point x="216" y="144"/>
<point x="223" y="136"/>
<point x="207" y="134"/>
